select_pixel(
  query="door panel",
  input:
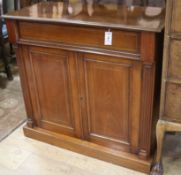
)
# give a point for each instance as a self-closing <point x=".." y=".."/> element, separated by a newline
<point x="108" y="98"/>
<point x="51" y="77"/>
<point x="51" y="89"/>
<point x="107" y="91"/>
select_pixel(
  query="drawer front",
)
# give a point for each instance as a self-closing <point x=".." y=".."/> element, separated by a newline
<point x="174" y="70"/>
<point x="80" y="36"/>
<point x="173" y="102"/>
<point x="176" y="16"/>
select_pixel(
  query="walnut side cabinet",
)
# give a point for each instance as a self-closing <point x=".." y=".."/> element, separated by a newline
<point x="83" y="95"/>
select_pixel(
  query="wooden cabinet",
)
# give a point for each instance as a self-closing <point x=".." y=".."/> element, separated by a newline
<point x="170" y="108"/>
<point x="171" y="90"/>
<point x="82" y="94"/>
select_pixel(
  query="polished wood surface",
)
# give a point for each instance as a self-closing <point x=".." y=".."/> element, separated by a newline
<point x="123" y="40"/>
<point x="55" y="110"/>
<point x="97" y="97"/>
<point x="114" y="103"/>
<point x="98" y="14"/>
<point x="170" y="108"/>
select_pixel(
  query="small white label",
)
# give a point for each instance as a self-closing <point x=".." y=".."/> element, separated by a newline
<point x="108" y="39"/>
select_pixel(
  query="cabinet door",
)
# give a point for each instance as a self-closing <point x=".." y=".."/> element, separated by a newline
<point x="111" y="101"/>
<point x="52" y="89"/>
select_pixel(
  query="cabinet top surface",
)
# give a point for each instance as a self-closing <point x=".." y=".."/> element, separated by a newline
<point x="101" y="14"/>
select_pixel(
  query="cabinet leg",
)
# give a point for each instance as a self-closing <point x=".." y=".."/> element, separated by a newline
<point x="157" y="168"/>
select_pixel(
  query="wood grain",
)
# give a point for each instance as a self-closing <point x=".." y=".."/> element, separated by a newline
<point x="98" y="14"/>
<point x="107" y="98"/>
<point x="122" y="40"/>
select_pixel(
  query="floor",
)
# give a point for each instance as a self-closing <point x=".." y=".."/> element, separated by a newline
<point x="20" y="155"/>
<point x="12" y="113"/>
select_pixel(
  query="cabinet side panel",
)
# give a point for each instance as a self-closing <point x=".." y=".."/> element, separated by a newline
<point x="20" y="57"/>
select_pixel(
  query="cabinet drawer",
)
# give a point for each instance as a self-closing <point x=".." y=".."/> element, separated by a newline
<point x="176" y="16"/>
<point x="175" y="60"/>
<point x="173" y="102"/>
<point x="80" y="36"/>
